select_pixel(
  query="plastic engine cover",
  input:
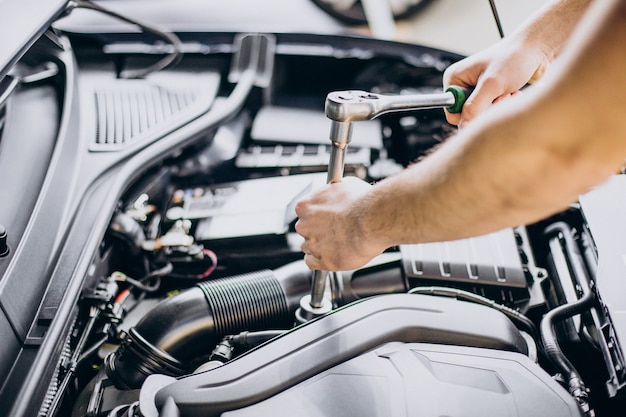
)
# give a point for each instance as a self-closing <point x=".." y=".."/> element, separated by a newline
<point x="425" y="380"/>
<point x="364" y="359"/>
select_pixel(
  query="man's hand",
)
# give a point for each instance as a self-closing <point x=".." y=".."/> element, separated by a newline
<point x="520" y="58"/>
<point x="497" y="73"/>
<point x="334" y="239"/>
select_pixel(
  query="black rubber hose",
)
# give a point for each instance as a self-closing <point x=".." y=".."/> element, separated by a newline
<point x="188" y="325"/>
<point x="172" y="58"/>
<point x="553" y="350"/>
<point x="549" y="338"/>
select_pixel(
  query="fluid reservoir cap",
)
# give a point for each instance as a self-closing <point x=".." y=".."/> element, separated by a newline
<point x="4" y="247"/>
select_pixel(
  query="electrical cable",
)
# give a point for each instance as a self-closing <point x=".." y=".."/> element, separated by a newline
<point x="143" y="287"/>
<point x="140" y="283"/>
<point x="91" y="350"/>
<point x="207" y="254"/>
<point x="122" y="296"/>
<point x="213" y="257"/>
<point x="171" y="59"/>
<point x="161" y="272"/>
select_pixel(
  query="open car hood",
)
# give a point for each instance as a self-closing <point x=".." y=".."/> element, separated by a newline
<point x="21" y="24"/>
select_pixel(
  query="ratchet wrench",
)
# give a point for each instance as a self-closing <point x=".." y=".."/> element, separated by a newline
<point x="345" y="107"/>
<point x="356" y="106"/>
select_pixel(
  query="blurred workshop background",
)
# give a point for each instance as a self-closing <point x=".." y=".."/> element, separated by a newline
<point x="463" y="26"/>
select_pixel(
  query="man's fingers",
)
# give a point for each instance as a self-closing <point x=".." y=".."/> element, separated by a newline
<point x="453" y="118"/>
<point x="305" y="247"/>
<point x="312" y="258"/>
<point x="300" y="229"/>
<point x="312" y="262"/>
<point x="488" y="92"/>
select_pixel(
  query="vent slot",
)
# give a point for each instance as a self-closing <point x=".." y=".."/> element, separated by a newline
<point x="130" y="111"/>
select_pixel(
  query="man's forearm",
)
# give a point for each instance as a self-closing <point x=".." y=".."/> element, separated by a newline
<point x="517" y="162"/>
<point x="523" y="159"/>
<point x="551" y="26"/>
<point x="520" y="58"/>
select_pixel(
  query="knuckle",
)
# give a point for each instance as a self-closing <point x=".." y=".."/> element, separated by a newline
<point x="470" y="110"/>
<point x="300" y="207"/>
<point x="492" y="80"/>
<point x="298" y="226"/>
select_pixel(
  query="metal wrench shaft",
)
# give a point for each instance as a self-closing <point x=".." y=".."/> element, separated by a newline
<point x="340" y="133"/>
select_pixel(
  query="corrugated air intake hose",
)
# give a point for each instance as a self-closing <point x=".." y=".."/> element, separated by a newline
<point x="188" y="325"/>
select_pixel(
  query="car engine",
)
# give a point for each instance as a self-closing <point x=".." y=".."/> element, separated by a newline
<point x="186" y="278"/>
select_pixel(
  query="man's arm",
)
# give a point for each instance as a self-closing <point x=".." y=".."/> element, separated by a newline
<point x="520" y="161"/>
<point x="521" y="57"/>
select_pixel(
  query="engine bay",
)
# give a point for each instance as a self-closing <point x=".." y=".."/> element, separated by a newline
<point x="189" y="272"/>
